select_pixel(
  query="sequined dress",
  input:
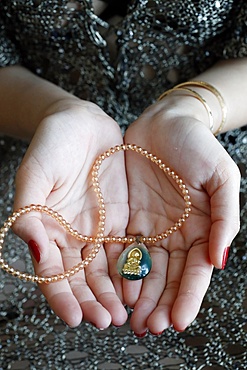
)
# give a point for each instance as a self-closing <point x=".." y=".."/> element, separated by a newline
<point x="158" y="44"/>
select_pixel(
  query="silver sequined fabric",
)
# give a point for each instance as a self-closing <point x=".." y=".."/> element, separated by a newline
<point x="159" y="43"/>
<point x="172" y="41"/>
<point x="31" y="337"/>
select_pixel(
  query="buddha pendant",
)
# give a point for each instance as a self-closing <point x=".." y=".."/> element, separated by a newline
<point x="134" y="262"/>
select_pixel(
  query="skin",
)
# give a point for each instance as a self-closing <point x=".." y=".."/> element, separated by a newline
<point x="65" y="186"/>
<point x="139" y="198"/>
<point x="183" y="263"/>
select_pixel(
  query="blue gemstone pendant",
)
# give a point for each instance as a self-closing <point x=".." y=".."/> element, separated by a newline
<point x="134" y="262"/>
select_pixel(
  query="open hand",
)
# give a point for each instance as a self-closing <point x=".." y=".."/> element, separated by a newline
<point x="56" y="171"/>
<point x="183" y="263"/>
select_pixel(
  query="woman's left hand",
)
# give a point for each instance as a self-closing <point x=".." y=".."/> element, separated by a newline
<point x="183" y="263"/>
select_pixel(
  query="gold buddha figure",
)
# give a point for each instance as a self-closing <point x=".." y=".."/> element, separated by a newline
<point x="132" y="265"/>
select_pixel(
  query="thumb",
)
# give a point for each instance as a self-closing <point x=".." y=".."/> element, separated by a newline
<point x="29" y="226"/>
<point x="30" y="229"/>
<point x="225" y="216"/>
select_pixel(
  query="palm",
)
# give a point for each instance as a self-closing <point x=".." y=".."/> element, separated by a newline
<point x="173" y="291"/>
<point x="64" y="178"/>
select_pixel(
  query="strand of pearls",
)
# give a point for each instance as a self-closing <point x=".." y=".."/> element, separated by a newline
<point x="99" y="239"/>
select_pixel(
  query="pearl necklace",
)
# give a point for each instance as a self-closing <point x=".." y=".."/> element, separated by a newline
<point x="134" y="262"/>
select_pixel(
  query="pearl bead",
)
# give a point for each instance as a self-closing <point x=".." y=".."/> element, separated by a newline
<point x="131" y="269"/>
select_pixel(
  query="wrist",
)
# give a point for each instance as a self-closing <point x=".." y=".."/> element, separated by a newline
<point x="181" y="105"/>
<point x="26" y="98"/>
<point x="190" y="88"/>
<point x="60" y="104"/>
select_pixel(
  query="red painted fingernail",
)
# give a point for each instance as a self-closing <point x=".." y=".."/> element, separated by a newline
<point x="142" y="335"/>
<point x="156" y="334"/>
<point x="225" y="257"/>
<point x="34" y="249"/>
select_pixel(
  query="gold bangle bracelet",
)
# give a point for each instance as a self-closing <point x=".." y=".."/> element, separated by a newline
<point x="218" y="96"/>
<point x="195" y="95"/>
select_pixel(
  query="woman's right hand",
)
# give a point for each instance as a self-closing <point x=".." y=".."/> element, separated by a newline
<point x="56" y="172"/>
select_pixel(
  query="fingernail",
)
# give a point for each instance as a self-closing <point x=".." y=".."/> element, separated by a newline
<point x="225" y="257"/>
<point x="142" y="335"/>
<point x="156" y="334"/>
<point x="34" y="250"/>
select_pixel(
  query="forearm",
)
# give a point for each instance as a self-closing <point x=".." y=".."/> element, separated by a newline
<point x="229" y="77"/>
<point x="25" y="99"/>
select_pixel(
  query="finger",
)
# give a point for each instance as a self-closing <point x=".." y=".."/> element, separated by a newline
<point x="30" y="227"/>
<point x="225" y="213"/>
<point x="59" y="295"/>
<point x="139" y="224"/>
<point x="91" y="309"/>
<point x="113" y="251"/>
<point x="115" y="193"/>
<point x="131" y="291"/>
<point x="160" y="318"/>
<point x="152" y="288"/>
<point x="31" y="230"/>
<point x="194" y="284"/>
<point x="97" y="278"/>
